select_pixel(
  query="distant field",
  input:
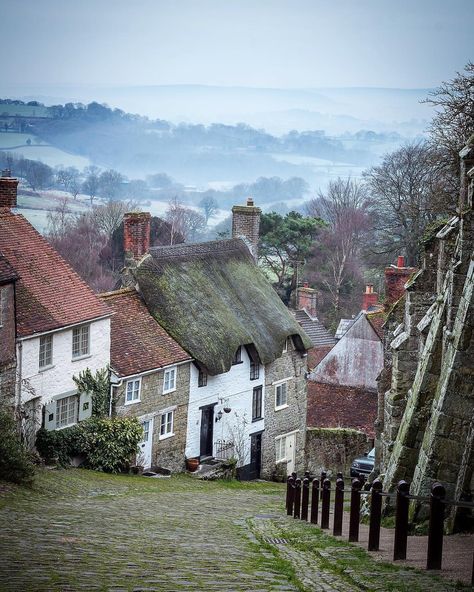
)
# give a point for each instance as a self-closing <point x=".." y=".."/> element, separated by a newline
<point x="48" y="154"/>
<point x="24" y="110"/>
<point x="36" y="208"/>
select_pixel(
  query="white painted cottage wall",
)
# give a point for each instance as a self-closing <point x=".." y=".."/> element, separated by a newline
<point x="57" y="379"/>
<point x="236" y="388"/>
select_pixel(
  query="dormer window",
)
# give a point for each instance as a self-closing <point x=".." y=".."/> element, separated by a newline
<point x="254" y="370"/>
<point x="237" y="356"/>
<point x="202" y="378"/>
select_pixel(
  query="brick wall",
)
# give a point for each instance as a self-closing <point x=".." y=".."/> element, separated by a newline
<point x="246" y="222"/>
<point x="169" y="452"/>
<point x="334" y="449"/>
<point x="7" y="340"/>
<point x="292" y="366"/>
<point x="136" y="233"/>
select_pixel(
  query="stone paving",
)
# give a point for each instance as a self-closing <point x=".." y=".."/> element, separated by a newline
<point x="79" y="530"/>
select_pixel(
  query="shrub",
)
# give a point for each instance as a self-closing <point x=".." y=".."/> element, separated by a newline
<point x="106" y="444"/>
<point x="99" y="385"/>
<point x="15" y="461"/>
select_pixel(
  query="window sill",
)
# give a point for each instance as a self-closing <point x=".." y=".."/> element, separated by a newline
<point x="281" y="407"/>
<point x="237" y="363"/>
<point x="255" y="419"/>
<point x="45" y="368"/>
<point x="283" y="460"/>
<point x="256" y="378"/>
<point x="133" y="402"/>
<point x="165" y="437"/>
<point x="170" y="391"/>
<point x="78" y="358"/>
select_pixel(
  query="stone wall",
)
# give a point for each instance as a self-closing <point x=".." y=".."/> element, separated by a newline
<point x="291" y="366"/>
<point x="428" y="417"/>
<point x="8" y="345"/>
<point x="169" y="452"/>
<point x="334" y="449"/>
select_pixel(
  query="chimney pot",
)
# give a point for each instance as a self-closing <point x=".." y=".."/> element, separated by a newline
<point x="369" y="298"/>
<point x="250" y="201"/>
<point x="401" y="261"/>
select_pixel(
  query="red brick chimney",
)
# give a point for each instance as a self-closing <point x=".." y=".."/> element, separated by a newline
<point x="8" y="190"/>
<point x="307" y="300"/>
<point x="369" y="298"/>
<point x="246" y="224"/>
<point x="396" y="276"/>
<point x="136" y="233"/>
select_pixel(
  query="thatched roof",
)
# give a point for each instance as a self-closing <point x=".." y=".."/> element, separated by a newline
<point x="211" y="298"/>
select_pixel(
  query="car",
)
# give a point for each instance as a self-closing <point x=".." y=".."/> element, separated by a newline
<point x="363" y="464"/>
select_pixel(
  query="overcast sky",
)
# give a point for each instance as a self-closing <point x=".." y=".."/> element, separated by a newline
<point x="260" y="43"/>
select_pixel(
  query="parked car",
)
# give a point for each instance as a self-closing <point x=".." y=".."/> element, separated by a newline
<point x="363" y="464"/>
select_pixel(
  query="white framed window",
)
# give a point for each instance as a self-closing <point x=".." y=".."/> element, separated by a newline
<point x="280" y="449"/>
<point x="166" y="425"/>
<point x="45" y="352"/>
<point x="169" y="380"/>
<point x="66" y="411"/>
<point x="132" y="391"/>
<point x="80" y="341"/>
<point x="281" y="395"/>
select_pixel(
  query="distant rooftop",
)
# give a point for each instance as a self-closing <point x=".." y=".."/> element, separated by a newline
<point x="314" y="329"/>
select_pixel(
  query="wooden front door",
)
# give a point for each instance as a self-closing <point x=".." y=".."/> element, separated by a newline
<point x="255" y="455"/>
<point x="207" y="428"/>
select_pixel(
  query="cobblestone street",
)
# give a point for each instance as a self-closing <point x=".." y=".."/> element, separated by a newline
<point x="79" y="530"/>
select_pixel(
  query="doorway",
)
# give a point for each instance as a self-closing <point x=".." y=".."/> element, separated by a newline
<point x="207" y="430"/>
<point x="145" y="446"/>
<point x="255" y="455"/>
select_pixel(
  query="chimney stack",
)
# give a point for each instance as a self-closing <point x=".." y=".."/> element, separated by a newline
<point x="246" y="224"/>
<point x="8" y="190"/>
<point x="307" y="300"/>
<point x="136" y="234"/>
<point x="370" y="298"/>
<point x="396" y="276"/>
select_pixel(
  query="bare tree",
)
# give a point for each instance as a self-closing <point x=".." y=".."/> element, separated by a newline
<point x="70" y="179"/>
<point x="344" y="207"/>
<point x="209" y="207"/>
<point x="60" y="220"/>
<point x="183" y="221"/>
<point x="109" y="216"/>
<point x="91" y="183"/>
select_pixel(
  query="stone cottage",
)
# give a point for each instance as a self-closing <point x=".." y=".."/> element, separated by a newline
<point x="427" y="429"/>
<point x="62" y="327"/>
<point x="247" y="395"/>
<point x="150" y="376"/>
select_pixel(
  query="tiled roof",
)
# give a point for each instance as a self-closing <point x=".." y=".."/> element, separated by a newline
<point x="50" y="294"/>
<point x="344" y="325"/>
<point x="314" y="329"/>
<point x="138" y="342"/>
<point x="7" y="273"/>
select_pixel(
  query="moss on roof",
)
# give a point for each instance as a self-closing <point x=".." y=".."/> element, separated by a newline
<point x="211" y="298"/>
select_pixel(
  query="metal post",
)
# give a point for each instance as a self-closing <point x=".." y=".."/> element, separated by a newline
<point x="296" y="513"/>
<point x="338" y="507"/>
<point x="315" y="502"/>
<point x="355" y="511"/>
<point x="305" y="499"/>
<point x="375" y="516"/>
<point x="290" y="495"/>
<point x="436" y="527"/>
<point x="325" y="503"/>
<point x="401" y="521"/>
<point x="321" y="480"/>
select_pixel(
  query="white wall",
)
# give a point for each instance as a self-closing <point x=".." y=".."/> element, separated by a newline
<point x="57" y="379"/>
<point x="236" y="388"/>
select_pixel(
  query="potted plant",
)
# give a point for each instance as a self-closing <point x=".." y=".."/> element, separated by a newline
<point x="192" y="464"/>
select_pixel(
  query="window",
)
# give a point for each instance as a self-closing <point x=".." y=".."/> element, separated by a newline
<point x="254" y="370"/>
<point x="281" y="395"/>
<point x="133" y="391"/>
<point x="66" y="411"/>
<point x="280" y="449"/>
<point x="146" y="430"/>
<point x="166" y="425"/>
<point x="202" y="378"/>
<point x="237" y="356"/>
<point x="80" y="341"/>
<point x="169" y="382"/>
<point x="257" y="403"/>
<point x="46" y="351"/>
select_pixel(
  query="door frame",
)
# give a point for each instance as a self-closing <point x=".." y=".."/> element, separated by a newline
<point x="210" y="427"/>
<point x="258" y="468"/>
<point x="151" y="420"/>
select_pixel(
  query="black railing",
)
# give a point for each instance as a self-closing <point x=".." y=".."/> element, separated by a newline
<point x="298" y="504"/>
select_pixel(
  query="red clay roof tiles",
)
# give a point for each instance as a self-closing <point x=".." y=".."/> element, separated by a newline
<point x="50" y="294"/>
<point x="138" y="342"/>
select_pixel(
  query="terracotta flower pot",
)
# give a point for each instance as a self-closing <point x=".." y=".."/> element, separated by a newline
<point x="192" y="464"/>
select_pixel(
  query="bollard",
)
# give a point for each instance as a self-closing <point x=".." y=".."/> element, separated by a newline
<point x="472" y="574"/>
<point x="290" y="495"/>
<point x="401" y="521"/>
<point x="305" y="499"/>
<point x="355" y="511"/>
<point x="297" y="502"/>
<point x="339" y="476"/>
<point x="321" y="481"/>
<point x="375" y="516"/>
<point x="325" y="503"/>
<point x="436" y="526"/>
<point x="307" y="475"/>
<point x="314" y="502"/>
<point x="338" y="507"/>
